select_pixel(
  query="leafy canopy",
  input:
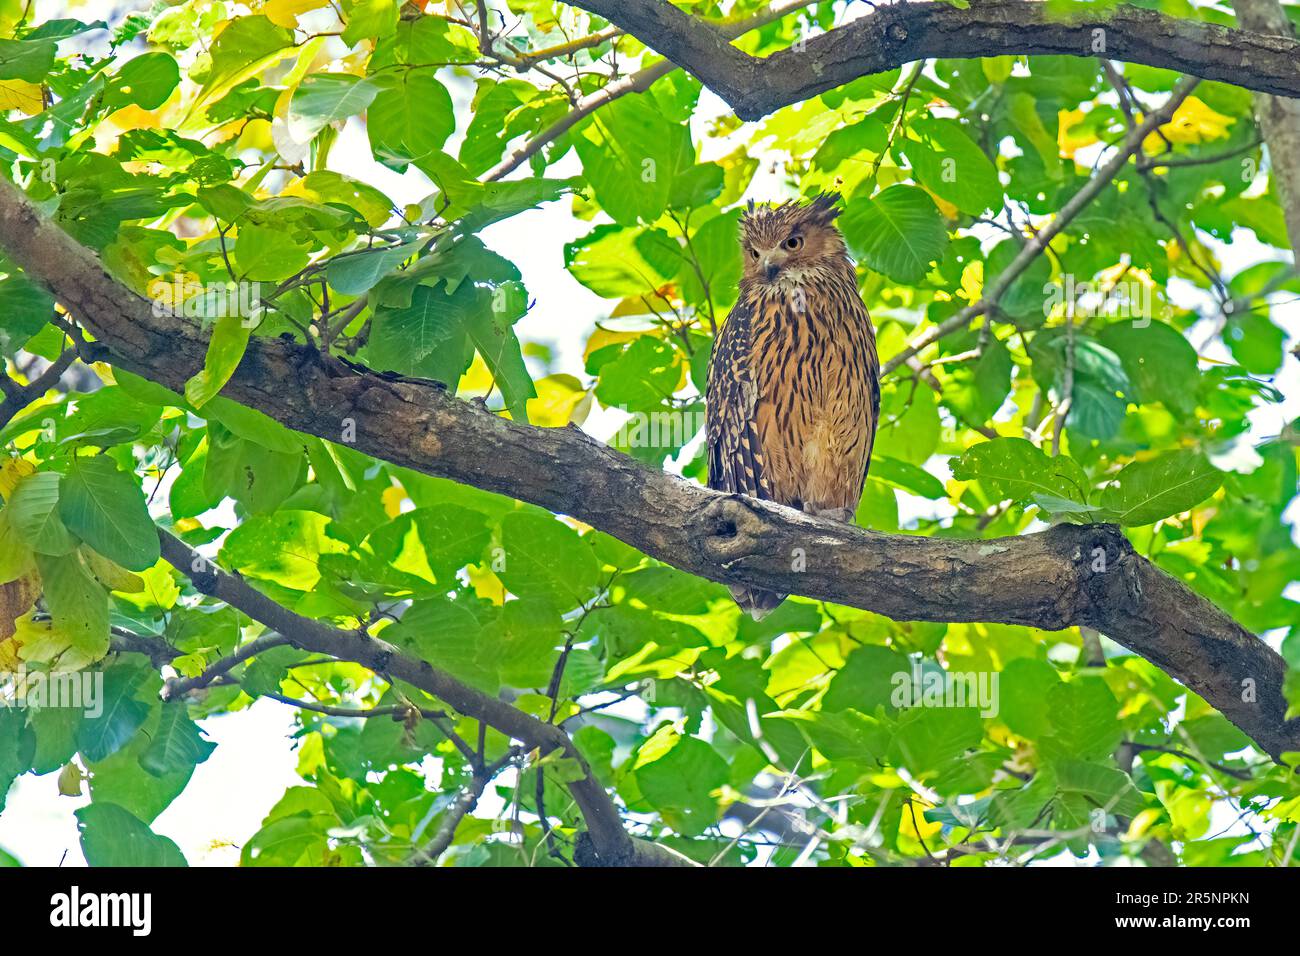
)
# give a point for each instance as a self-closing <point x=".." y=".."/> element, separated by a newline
<point x="228" y="162"/>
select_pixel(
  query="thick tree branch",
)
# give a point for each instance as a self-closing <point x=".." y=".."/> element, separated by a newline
<point x="613" y="844"/>
<point x="1063" y="577"/>
<point x="905" y="32"/>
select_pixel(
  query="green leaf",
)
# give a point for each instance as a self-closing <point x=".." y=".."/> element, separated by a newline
<point x="25" y="308"/>
<point x="78" y="606"/>
<point x="643" y="376"/>
<point x="1022" y="696"/>
<point x="269" y="253"/>
<point x="17" y="748"/>
<point x="34" y="512"/>
<point x="909" y="477"/>
<point x="16" y="558"/>
<point x="1160" y="363"/>
<point x="226" y="347"/>
<point x="28" y="60"/>
<point x="244" y="48"/>
<point x="111" y="836"/>
<point x="976" y="390"/>
<point x="177" y="743"/>
<point x="1084" y="717"/>
<point x="543" y="557"/>
<point x="953" y="167"/>
<point x="324" y="98"/>
<point x="410" y="118"/>
<point x="1099" y="786"/>
<point x="867" y="680"/>
<point x="121" y="714"/>
<point x="146" y="81"/>
<point x="679" y="784"/>
<point x="284" y="547"/>
<point x="929" y="737"/>
<point x="614" y="262"/>
<point x="359" y="272"/>
<point x="254" y="426"/>
<point x="1013" y="468"/>
<point x="106" y="508"/>
<point x="898" y="233"/>
<point x="429" y="337"/>
<point x="1146" y="491"/>
<point x="431" y="543"/>
<point x="491" y="332"/>
<point x="631" y="156"/>
<point x="450" y="634"/>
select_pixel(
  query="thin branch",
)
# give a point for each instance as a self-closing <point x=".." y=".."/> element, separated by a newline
<point x="902" y="33"/>
<point x="637" y="82"/>
<point x="613" y="844"/>
<point x="1034" y="247"/>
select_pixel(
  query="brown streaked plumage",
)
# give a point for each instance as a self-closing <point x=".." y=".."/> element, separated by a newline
<point x="794" y="380"/>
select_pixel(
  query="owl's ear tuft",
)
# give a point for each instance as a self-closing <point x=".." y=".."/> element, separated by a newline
<point x="824" y="208"/>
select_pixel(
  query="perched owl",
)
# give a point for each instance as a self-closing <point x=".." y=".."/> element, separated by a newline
<point x="794" y="381"/>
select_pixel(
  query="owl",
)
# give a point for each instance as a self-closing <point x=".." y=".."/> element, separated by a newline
<point x="793" y="394"/>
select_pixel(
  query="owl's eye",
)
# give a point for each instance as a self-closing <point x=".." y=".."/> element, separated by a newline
<point x="753" y="253"/>
<point x="793" y="243"/>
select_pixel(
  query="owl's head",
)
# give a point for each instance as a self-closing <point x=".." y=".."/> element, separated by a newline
<point x="791" y="239"/>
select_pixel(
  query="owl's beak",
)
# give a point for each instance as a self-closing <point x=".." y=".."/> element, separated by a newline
<point x="771" y="265"/>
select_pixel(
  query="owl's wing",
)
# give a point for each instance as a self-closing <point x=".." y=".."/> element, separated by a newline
<point x="873" y="389"/>
<point x="735" y="455"/>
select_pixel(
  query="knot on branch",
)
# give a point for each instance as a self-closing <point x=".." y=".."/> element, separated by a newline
<point x="1108" y="574"/>
<point x="732" y="529"/>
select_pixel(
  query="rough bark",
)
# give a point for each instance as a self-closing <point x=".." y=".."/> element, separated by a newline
<point x="1066" y="576"/>
<point x="906" y="32"/>
<point x="1278" y="117"/>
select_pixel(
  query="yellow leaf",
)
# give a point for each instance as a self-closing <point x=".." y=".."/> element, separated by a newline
<point x="560" y="400"/>
<point x="131" y="117"/>
<point x="111" y="574"/>
<point x="392" y="498"/>
<point x="158" y="589"/>
<point x="972" y="281"/>
<point x="950" y="211"/>
<point x="477" y="380"/>
<point x="908" y="826"/>
<point x="70" y="778"/>
<point x="1068" y="140"/>
<point x="11" y="470"/>
<point x="44" y="642"/>
<point x="284" y="13"/>
<point x="485" y="583"/>
<point x="603" y="337"/>
<point x="22" y="96"/>
<point x="1192" y="122"/>
<point x="9" y="660"/>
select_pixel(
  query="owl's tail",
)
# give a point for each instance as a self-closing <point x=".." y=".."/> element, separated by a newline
<point x="757" y="602"/>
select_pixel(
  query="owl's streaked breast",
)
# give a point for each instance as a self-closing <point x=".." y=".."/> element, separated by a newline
<point x="815" y="367"/>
